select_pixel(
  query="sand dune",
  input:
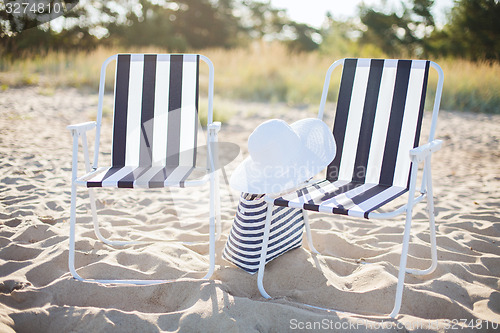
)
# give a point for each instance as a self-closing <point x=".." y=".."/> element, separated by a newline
<point x="357" y="271"/>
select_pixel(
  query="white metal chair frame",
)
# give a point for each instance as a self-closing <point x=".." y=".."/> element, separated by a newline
<point x="212" y="176"/>
<point x="417" y="155"/>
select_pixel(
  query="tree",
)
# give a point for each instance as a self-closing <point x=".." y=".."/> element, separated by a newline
<point x="175" y="25"/>
<point x="205" y="23"/>
<point x="473" y="31"/>
<point x="149" y="24"/>
<point x="404" y="34"/>
<point x="16" y="16"/>
<point x="261" y="20"/>
<point x="382" y="30"/>
<point x="23" y="33"/>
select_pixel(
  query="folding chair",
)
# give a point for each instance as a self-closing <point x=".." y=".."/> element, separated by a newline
<point x="154" y="144"/>
<point x="377" y="128"/>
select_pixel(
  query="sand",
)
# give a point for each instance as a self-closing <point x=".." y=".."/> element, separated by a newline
<point x="37" y="293"/>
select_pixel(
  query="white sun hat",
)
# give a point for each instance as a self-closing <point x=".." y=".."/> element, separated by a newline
<point x="283" y="156"/>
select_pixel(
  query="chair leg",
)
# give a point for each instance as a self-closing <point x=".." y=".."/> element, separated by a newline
<point x="402" y="266"/>
<point x="93" y="205"/>
<point x="71" y="256"/>
<point x="432" y="225"/>
<point x="72" y="225"/>
<point x="217" y="206"/>
<point x="263" y="251"/>
<point x="96" y="226"/>
<point x="406" y="242"/>
<point x="211" y="246"/>
<point x="432" y="228"/>
<point x="308" y="232"/>
<point x="72" y="214"/>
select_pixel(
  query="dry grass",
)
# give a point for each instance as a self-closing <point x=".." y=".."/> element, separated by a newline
<point x="471" y="86"/>
<point x="263" y="72"/>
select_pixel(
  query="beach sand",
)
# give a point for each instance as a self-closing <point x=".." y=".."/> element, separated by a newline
<point x="356" y="271"/>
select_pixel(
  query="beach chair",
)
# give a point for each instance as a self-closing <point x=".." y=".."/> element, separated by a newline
<point x="376" y="129"/>
<point x="154" y="143"/>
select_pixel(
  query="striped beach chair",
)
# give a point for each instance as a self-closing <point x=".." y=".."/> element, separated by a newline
<point x="377" y="128"/>
<point x="155" y="126"/>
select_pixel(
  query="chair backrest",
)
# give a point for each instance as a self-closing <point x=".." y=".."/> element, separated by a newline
<point x="378" y="120"/>
<point x="155" y="120"/>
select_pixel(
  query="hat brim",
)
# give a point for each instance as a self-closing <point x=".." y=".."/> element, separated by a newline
<point x="254" y="177"/>
<point x="316" y="152"/>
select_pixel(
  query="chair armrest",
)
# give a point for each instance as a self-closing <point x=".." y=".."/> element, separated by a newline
<point x="82" y="127"/>
<point x="420" y="153"/>
<point x="213" y="151"/>
<point x="77" y="131"/>
<point x="214" y="127"/>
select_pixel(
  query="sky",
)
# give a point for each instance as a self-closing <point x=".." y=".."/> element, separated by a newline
<point x="313" y="12"/>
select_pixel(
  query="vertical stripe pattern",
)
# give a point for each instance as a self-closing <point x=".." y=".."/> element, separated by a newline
<point x="148" y="108"/>
<point x="174" y="107"/>
<point x="378" y="121"/>
<point x="121" y="108"/>
<point x="155" y="121"/>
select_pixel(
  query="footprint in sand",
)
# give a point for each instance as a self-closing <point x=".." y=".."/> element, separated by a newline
<point x="7" y="286"/>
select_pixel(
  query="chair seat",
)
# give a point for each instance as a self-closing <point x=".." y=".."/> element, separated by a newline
<point x="143" y="176"/>
<point x="341" y="197"/>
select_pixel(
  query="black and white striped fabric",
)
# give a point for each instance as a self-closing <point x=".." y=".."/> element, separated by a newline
<point x="378" y="120"/>
<point x="245" y="239"/>
<point x="155" y="122"/>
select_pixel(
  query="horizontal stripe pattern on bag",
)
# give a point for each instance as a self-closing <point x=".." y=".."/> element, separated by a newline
<point x="243" y="247"/>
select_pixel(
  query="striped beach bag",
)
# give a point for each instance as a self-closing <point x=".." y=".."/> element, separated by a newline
<point x="244" y="244"/>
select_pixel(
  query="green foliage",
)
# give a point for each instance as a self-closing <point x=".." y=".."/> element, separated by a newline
<point x="21" y="15"/>
<point x="181" y="25"/>
<point x="422" y="11"/>
<point x="178" y="25"/>
<point x="260" y="19"/>
<point x="150" y="26"/>
<point x="204" y="23"/>
<point x="42" y="38"/>
<point x="382" y="30"/>
<point x="404" y="34"/>
<point x="473" y="31"/>
<point x="231" y="32"/>
<point x="303" y="37"/>
<point x="184" y="24"/>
